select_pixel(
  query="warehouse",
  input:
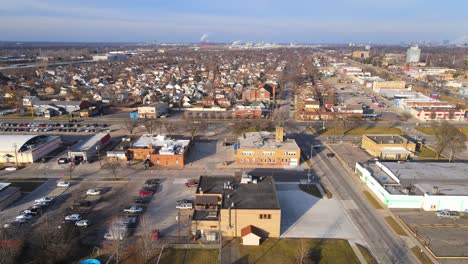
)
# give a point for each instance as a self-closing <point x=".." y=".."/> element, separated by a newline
<point x="430" y="186"/>
<point x="20" y="149"/>
<point x="87" y="150"/>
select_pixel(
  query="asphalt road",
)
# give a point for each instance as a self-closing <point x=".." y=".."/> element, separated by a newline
<point x="384" y="245"/>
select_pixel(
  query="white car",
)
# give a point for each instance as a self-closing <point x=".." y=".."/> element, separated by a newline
<point x="11" y="168"/>
<point x="63" y="184"/>
<point x="93" y="192"/>
<point x="44" y="199"/>
<point x="24" y="217"/>
<point x="133" y="209"/>
<point x="73" y="217"/>
<point x="83" y="223"/>
<point x="184" y="205"/>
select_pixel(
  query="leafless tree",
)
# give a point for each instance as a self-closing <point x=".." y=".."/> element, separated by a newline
<point x="145" y="242"/>
<point x="196" y="127"/>
<point x="405" y="116"/>
<point x="131" y="125"/>
<point x="302" y="252"/>
<point x="71" y="167"/>
<point x="448" y="137"/>
<point x="151" y="125"/>
<point x="170" y="128"/>
<point x="114" y="166"/>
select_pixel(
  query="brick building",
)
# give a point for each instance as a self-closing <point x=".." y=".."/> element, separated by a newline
<point x="388" y="147"/>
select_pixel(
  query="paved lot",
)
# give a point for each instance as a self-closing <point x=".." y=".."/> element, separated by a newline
<point x="445" y="237"/>
<point x="161" y="212"/>
<point x="350" y="153"/>
<point x="303" y="215"/>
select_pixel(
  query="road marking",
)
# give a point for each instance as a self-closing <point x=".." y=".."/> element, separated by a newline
<point x="349" y="204"/>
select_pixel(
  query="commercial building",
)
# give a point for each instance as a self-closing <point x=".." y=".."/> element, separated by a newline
<point x="388" y="147"/>
<point x="87" y="150"/>
<point x="8" y="195"/>
<point x="232" y="203"/>
<point x="360" y="54"/>
<point x="153" y="111"/>
<point x="160" y="150"/>
<point x="430" y="186"/>
<point x="413" y="54"/>
<point x="267" y="149"/>
<point x="26" y="148"/>
<point x="379" y="86"/>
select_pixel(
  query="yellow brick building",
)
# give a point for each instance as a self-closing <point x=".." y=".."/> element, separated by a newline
<point x="227" y="204"/>
<point x="267" y="149"/>
<point x="388" y="147"/>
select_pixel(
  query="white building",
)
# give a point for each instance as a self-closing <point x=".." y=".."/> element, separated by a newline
<point x="84" y="151"/>
<point x="26" y="148"/>
<point x="413" y="54"/>
<point x="430" y="186"/>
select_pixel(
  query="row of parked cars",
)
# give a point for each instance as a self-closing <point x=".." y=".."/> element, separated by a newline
<point x="52" y="127"/>
<point x="119" y="229"/>
<point x="39" y="206"/>
<point x="76" y="218"/>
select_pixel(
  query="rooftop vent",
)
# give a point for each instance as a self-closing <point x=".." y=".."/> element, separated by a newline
<point x="435" y="190"/>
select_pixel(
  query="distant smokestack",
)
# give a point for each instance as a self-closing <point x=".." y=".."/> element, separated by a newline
<point x="204" y="37"/>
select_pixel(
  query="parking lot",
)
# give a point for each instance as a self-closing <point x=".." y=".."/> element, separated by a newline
<point x="63" y="127"/>
<point x="161" y="212"/>
<point x="304" y="215"/>
<point x="445" y="237"/>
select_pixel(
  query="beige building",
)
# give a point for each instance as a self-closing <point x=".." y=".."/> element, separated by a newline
<point x="267" y="149"/>
<point x="152" y="111"/>
<point x="21" y="149"/>
<point x="388" y="147"/>
<point x="228" y="204"/>
<point x="360" y="54"/>
<point x="393" y="85"/>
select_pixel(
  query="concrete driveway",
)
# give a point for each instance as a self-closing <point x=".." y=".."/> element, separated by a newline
<point x="305" y="216"/>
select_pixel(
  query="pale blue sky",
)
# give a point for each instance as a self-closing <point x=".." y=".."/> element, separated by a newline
<point x="311" y="21"/>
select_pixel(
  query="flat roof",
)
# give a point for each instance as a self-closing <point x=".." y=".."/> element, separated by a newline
<point x="265" y="140"/>
<point x="3" y="185"/>
<point x="450" y="178"/>
<point x="165" y="145"/>
<point x="387" y="139"/>
<point x="260" y="195"/>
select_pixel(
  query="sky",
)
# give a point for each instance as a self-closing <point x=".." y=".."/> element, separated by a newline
<point x="279" y="21"/>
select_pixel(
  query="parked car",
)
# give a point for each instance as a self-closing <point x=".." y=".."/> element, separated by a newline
<point x="152" y="182"/>
<point x="44" y="199"/>
<point x="93" y="192"/>
<point x="192" y="183"/>
<point x="447" y="214"/>
<point x="185" y="205"/>
<point x="25" y="217"/>
<point x="145" y="193"/>
<point x="29" y="211"/>
<point x="63" y="184"/>
<point x="81" y="204"/>
<point x="16" y="223"/>
<point x="63" y="161"/>
<point x="330" y="155"/>
<point x="141" y="200"/>
<point x="128" y="221"/>
<point x="133" y="209"/>
<point x="11" y="168"/>
<point x="73" y="217"/>
<point x="83" y="223"/>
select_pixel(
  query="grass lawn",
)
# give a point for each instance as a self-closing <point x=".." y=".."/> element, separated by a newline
<point x="372" y="200"/>
<point x="311" y="189"/>
<point x="358" y="131"/>
<point x="187" y="256"/>
<point x="367" y="255"/>
<point x="395" y="226"/>
<point x="286" y="251"/>
<point x="427" y="153"/>
<point x="421" y="256"/>
<point x="27" y="186"/>
<point x="429" y="131"/>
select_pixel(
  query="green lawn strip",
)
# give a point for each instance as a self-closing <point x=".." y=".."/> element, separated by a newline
<point x="421" y="256"/>
<point x="367" y="255"/>
<point x="188" y="256"/>
<point x="311" y="189"/>
<point x="427" y="153"/>
<point x="395" y="226"/>
<point x="430" y="131"/>
<point x="372" y="200"/>
<point x="287" y="251"/>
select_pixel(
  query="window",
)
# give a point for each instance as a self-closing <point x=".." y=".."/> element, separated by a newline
<point x="268" y="153"/>
<point x="241" y="160"/>
<point x="289" y="153"/>
<point x="247" y="153"/>
<point x="264" y="216"/>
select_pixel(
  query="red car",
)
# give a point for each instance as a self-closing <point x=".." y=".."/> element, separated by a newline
<point x="191" y="183"/>
<point x="145" y="193"/>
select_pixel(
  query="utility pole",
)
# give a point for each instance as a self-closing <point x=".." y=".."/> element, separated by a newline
<point x="16" y="155"/>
